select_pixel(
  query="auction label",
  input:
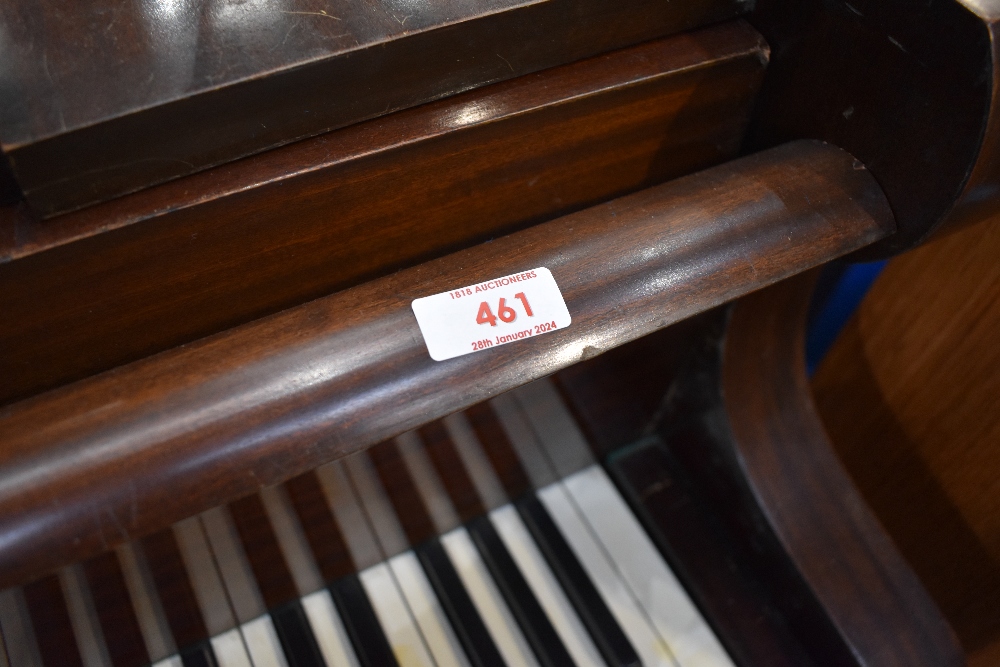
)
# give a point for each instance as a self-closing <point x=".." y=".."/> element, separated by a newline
<point x="496" y="312"/>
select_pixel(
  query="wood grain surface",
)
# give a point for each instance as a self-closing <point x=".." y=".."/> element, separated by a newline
<point x="912" y="91"/>
<point x="91" y="290"/>
<point x="102" y="100"/>
<point x="875" y="601"/>
<point x="910" y="393"/>
<point x="135" y="449"/>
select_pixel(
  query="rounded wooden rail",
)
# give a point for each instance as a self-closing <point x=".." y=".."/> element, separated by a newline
<point x="127" y="452"/>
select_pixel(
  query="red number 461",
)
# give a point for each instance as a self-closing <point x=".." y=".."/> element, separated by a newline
<point x="505" y="312"/>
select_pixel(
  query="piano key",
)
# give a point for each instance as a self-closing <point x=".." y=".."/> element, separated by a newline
<point x="329" y="630"/>
<point x="490" y="604"/>
<point x="272" y="574"/>
<point x="394" y="617"/>
<point x="173" y="661"/>
<point x="230" y="650"/>
<point x="554" y="427"/>
<point x="270" y="571"/>
<point x="371" y="646"/>
<point x="241" y="590"/>
<point x="477" y="462"/>
<point x="3" y="650"/>
<point x="523" y="439"/>
<point x="414" y="450"/>
<point x="427" y="611"/>
<point x="652" y="649"/>
<point x="262" y="643"/>
<point x="204" y="580"/>
<point x="375" y="504"/>
<point x="672" y="612"/>
<point x="119" y="624"/>
<point x="146" y="603"/>
<point x="395" y="488"/>
<point x="292" y="540"/>
<point x="607" y="632"/>
<point x="51" y="624"/>
<point x="18" y="630"/>
<point x="492" y="437"/>
<point x="409" y="503"/>
<point x="399" y="476"/>
<point x="441" y="451"/>
<point x="86" y="627"/>
<point x="197" y="655"/>
<point x="327" y="545"/>
<point x="531" y="618"/>
<point x="472" y="633"/>
<point x="296" y="636"/>
<point x="350" y="517"/>
<point x="544" y="586"/>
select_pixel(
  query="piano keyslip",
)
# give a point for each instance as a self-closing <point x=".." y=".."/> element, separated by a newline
<point x="489" y="538"/>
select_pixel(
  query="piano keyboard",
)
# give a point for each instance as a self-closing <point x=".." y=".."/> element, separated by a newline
<point x="488" y="538"/>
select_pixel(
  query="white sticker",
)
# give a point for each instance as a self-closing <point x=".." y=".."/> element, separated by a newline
<point x="478" y="317"/>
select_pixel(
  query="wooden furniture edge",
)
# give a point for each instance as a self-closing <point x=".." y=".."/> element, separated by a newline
<point x="873" y="598"/>
<point x="107" y="459"/>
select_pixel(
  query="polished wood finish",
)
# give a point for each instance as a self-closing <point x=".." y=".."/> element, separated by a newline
<point x="911" y="90"/>
<point x="910" y="393"/>
<point x="92" y="290"/>
<point x="132" y="450"/>
<point x="100" y="101"/>
<point x="876" y="603"/>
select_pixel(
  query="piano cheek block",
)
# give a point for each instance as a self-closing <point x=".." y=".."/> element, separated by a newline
<point x="132" y="450"/>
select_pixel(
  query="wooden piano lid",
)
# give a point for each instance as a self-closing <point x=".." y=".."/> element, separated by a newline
<point x="102" y="100"/>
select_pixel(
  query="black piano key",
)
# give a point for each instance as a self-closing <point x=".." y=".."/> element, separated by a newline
<point x="51" y="622"/>
<point x="608" y="636"/>
<point x="409" y="505"/>
<point x="199" y="655"/>
<point x="367" y="637"/>
<point x="537" y="629"/>
<point x="326" y="543"/>
<point x="465" y="620"/>
<point x="499" y="450"/>
<point x="296" y="636"/>
<point x="176" y="592"/>
<point x="443" y="455"/>
<point x="119" y="624"/>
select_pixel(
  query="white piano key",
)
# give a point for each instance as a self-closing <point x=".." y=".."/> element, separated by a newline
<point x="329" y="630"/>
<point x="83" y="617"/>
<point x="427" y="611"/>
<point x="376" y="505"/>
<point x="350" y="517"/>
<point x="546" y="588"/>
<point x="470" y="450"/>
<point x="524" y="440"/>
<point x="241" y="587"/>
<point x="172" y="661"/>
<point x="554" y="426"/>
<point x="230" y="649"/>
<point x="672" y="612"/>
<point x="492" y="609"/>
<point x="262" y="643"/>
<point x="394" y="617"/>
<point x="146" y="603"/>
<point x="652" y="649"/>
<point x="428" y="484"/>
<point x="199" y="563"/>
<point x="15" y="622"/>
<point x="291" y="540"/>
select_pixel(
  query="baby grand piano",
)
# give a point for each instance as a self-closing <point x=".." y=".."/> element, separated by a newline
<point x="223" y="440"/>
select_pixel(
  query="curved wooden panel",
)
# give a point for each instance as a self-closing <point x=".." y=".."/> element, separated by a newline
<point x="134" y="449"/>
<point x="835" y="543"/>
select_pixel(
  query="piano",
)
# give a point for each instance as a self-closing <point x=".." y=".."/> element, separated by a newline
<point x="229" y="438"/>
